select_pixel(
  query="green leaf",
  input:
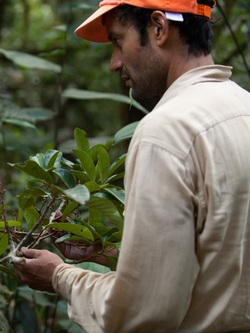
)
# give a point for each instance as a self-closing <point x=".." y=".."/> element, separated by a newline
<point x="56" y="190"/>
<point x="81" y="176"/>
<point x="82" y="6"/>
<point x="3" y="243"/>
<point x="112" y="262"/>
<point x="75" y="238"/>
<point x="94" y="216"/>
<point x="86" y="95"/>
<point x="11" y="223"/>
<point x="34" y="182"/>
<point x="92" y="186"/>
<point x="86" y="162"/>
<point x="103" y="163"/>
<point x="116" y="177"/>
<point x="66" y="162"/>
<point x="88" y="226"/>
<point x="79" y="193"/>
<point x="117" y="193"/>
<point x="39" y="159"/>
<point x="117" y="164"/>
<point x="20" y="214"/>
<point x="69" y="209"/>
<point x="94" y="268"/>
<point x="75" y="229"/>
<point x="31" y="216"/>
<point x="4" y="325"/>
<point x="100" y="228"/>
<point x="115" y="237"/>
<point x="66" y="177"/>
<point x="37" y="114"/>
<point x="34" y="296"/>
<point x="126" y="132"/>
<point x="18" y="122"/>
<point x="109" y="143"/>
<point x="33" y="169"/>
<point x="64" y="238"/>
<point x="8" y="271"/>
<point x="94" y="151"/>
<point x="29" y="61"/>
<point x="106" y="208"/>
<point x="28" y="196"/>
<point x="80" y="138"/>
<point x="26" y="199"/>
<point x="52" y="159"/>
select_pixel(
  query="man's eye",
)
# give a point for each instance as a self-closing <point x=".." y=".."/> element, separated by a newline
<point x="116" y="41"/>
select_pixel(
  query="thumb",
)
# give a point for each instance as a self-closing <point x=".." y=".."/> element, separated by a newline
<point x="30" y="253"/>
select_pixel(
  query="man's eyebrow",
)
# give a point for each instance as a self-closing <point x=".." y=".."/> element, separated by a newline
<point x="112" y="36"/>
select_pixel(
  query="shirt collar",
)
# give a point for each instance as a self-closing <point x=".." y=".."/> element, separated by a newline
<point x="212" y="73"/>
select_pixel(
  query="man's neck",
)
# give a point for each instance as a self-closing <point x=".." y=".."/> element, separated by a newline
<point x="177" y="68"/>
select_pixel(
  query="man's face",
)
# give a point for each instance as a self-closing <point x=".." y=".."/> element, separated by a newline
<point x="140" y="66"/>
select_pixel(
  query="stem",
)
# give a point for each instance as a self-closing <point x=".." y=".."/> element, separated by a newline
<point x="18" y="233"/>
<point x="240" y="51"/>
<point x="44" y="233"/>
<point x="10" y="239"/>
<point x="40" y="237"/>
<point x="39" y="221"/>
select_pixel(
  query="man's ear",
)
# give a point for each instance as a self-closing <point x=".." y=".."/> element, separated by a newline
<point x="160" y="27"/>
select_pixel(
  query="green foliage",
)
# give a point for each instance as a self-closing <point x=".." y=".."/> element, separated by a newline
<point x="232" y="38"/>
<point x="74" y="201"/>
<point x="29" y="61"/>
<point x="26" y="310"/>
<point x="85" y="95"/>
<point x="82" y="192"/>
<point x="126" y="132"/>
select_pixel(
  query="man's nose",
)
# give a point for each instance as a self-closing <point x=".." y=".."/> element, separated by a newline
<point x="115" y="61"/>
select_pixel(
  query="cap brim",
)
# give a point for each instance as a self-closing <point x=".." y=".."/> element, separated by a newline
<point x="93" y="29"/>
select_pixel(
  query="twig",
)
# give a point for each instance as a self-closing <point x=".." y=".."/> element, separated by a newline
<point x="44" y="233"/>
<point x="40" y="237"/>
<point x="239" y="48"/>
<point x="10" y="239"/>
<point x="36" y="225"/>
<point x="18" y="233"/>
<point x="13" y="256"/>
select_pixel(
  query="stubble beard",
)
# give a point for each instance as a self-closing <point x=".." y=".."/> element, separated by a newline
<point x="151" y="84"/>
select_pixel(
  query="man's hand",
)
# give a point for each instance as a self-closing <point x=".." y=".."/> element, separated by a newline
<point x="38" y="268"/>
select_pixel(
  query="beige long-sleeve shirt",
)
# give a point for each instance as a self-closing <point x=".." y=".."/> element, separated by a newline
<point x="184" y="264"/>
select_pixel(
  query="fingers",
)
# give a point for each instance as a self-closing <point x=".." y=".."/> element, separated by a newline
<point x="38" y="269"/>
<point x="20" y="260"/>
<point x="30" y="253"/>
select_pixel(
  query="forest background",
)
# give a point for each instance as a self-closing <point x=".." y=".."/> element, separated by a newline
<point x="68" y="85"/>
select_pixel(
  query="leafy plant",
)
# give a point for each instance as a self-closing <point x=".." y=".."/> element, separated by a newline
<point x="77" y="202"/>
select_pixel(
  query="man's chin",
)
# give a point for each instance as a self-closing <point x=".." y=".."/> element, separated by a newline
<point x="137" y="96"/>
<point x="142" y="98"/>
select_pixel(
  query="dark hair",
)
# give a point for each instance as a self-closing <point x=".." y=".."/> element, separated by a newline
<point x="195" y="31"/>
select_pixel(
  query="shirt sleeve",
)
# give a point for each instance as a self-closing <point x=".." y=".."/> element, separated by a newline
<point x="157" y="269"/>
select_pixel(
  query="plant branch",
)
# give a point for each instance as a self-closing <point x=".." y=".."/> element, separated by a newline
<point x="44" y="233"/>
<point x="13" y="256"/>
<point x="239" y="48"/>
<point x="10" y="239"/>
<point x="36" y="225"/>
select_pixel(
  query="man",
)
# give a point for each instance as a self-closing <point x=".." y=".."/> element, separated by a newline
<point x="184" y="264"/>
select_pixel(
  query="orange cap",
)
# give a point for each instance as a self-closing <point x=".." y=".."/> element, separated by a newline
<point x="93" y="29"/>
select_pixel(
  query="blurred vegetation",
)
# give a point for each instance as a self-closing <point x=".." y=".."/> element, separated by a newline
<point x="40" y="108"/>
